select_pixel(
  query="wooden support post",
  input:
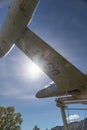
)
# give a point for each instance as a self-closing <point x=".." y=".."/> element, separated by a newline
<point x="62" y="107"/>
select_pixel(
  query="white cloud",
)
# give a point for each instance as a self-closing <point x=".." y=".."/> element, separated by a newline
<point x="73" y="117"/>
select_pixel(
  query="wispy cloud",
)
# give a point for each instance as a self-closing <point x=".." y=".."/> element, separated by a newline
<point x="15" y="80"/>
<point x="27" y="97"/>
<point x="18" y="66"/>
<point x="12" y="91"/>
<point x="73" y="117"/>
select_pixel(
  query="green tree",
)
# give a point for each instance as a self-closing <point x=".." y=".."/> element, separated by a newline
<point x="9" y="119"/>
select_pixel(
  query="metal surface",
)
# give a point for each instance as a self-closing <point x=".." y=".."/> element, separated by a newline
<point x="67" y="77"/>
<point x="19" y="14"/>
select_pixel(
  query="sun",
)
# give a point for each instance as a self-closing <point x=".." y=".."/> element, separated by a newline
<point x="31" y="70"/>
<point x="34" y="71"/>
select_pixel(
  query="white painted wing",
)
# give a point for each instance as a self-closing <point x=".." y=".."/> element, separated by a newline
<point x="18" y="16"/>
<point x="66" y="76"/>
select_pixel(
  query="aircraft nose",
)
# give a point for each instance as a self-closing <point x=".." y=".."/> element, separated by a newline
<point x="42" y="93"/>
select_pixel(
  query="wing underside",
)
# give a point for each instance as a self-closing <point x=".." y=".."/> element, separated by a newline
<point x="66" y="76"/>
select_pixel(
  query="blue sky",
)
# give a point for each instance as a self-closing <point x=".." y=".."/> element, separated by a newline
<point x="63" y="25"/>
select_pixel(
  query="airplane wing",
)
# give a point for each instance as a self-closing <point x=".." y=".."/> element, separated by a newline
<point x="66" y="76"/>
<point x="18" y="16"/>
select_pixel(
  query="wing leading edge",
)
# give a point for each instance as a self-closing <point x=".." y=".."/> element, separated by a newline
<point x="66" y="76"/>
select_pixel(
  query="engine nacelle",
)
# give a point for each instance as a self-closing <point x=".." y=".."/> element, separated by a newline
<point x="49" y="91"/>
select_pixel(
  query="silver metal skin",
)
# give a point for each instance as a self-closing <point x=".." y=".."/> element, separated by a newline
<point x="19" y="15"/>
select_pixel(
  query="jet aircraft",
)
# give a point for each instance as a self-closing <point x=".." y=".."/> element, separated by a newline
<point x="67" y="79"/>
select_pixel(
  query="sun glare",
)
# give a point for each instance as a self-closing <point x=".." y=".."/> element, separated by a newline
<point x="31" y="70"/>
<point x="34" y="71"/>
